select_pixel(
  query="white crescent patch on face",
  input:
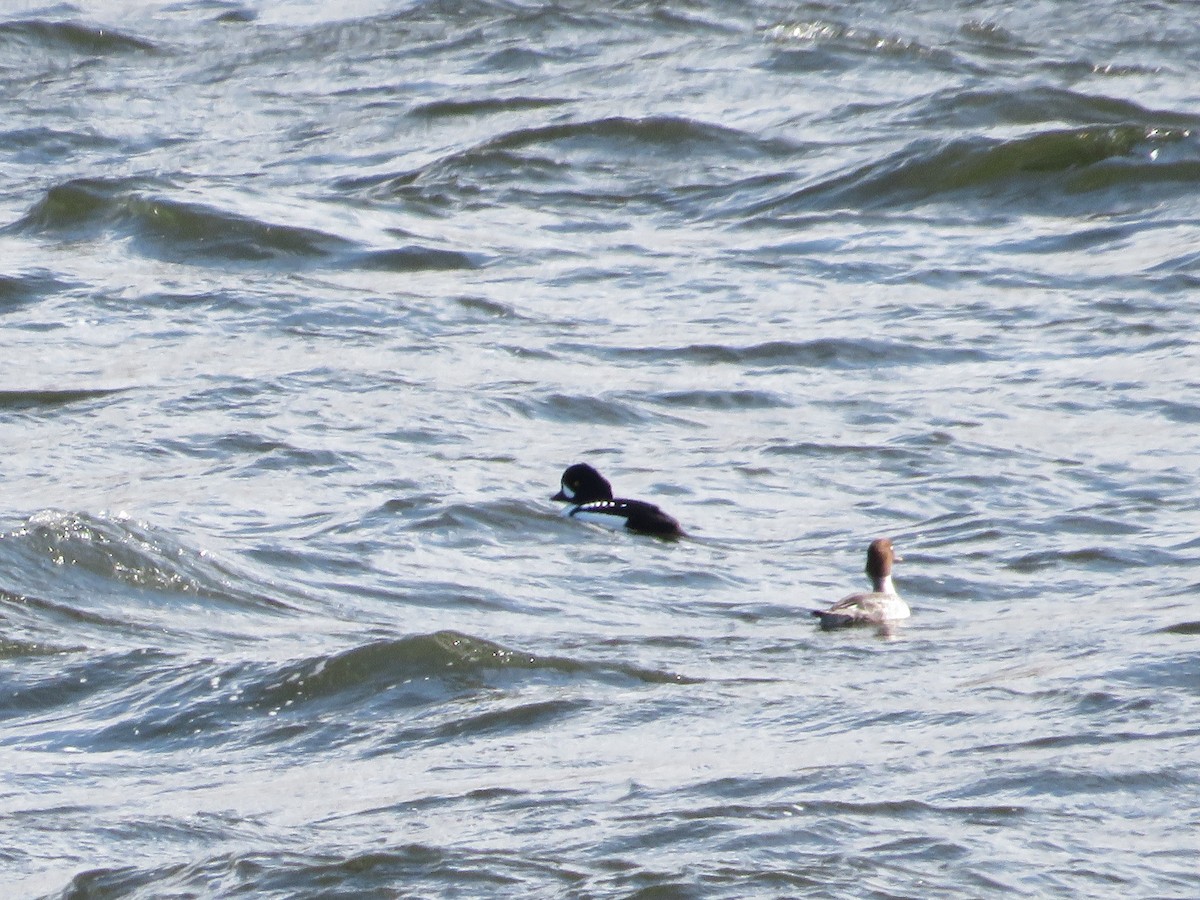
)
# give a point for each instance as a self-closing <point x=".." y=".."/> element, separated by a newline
<point x="567" y="492"/>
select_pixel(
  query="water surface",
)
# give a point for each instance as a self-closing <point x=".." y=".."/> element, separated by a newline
<point x="305" y="309"/>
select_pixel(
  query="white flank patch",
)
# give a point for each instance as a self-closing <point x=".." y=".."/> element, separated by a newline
<point x="604" y="520"/>
<point x="895" y="608"/>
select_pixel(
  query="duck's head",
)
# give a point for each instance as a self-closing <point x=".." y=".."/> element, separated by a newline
<point x="880" y="556"/>
<point x="583" y="484"/>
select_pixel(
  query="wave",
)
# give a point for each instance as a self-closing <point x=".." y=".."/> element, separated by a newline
<point x="441" y="656"/>
<point x="72" y="37"/>
<point x="1113" y="559"/>
<point x="111" y="572"/>
<point x="482" y="106"/>
<point x="825" y="45"/>
<point x="423" y="869"/>
<point x="955" y="109"/>
<point x="89" y="207"/>
<point x="426" y="688"/>
<point x="826" y="353"/>
<point x="1184" y="628"/>
<point x="622" y="135"/>
<point x="235" y="14"/>
<point x="720" y="399"/>
<point x="18" y="290"/>
<point x="816" y="450"/>
<point x="1066" y="161"/>
<point x="415" y="258"/>
<point x="42" y="143"/>
<point x="538" y="157"/>
<point x="485" y="517"/>
<point x="165" y="227"/>
<point x="18" y="648"/>
<point x="47" y="399"/>
<point x="602" y="409"/>
<point x="603" y="162"/>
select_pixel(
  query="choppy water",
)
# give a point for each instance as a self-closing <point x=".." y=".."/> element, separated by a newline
<point x="304" y="307"/>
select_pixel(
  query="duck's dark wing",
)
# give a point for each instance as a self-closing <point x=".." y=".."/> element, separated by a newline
<point x="857" y="609"/>
<point x="832" y="620"/>
<point x="646" y="518"/>
<point x="635" y="515"/>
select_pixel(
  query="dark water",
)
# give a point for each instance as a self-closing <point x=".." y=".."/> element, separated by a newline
<point x="304" y="307"/>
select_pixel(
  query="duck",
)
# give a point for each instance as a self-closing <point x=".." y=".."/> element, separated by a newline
<point x="591" y="500"/>
<point x="880" y="607"/>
